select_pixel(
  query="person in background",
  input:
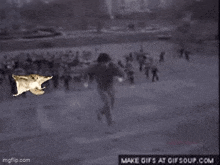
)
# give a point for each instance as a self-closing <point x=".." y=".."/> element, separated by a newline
<point x="129" y="70"/>
<point x="66" y="76"/>
<point x="21" y="72"/>
<point x="162" y="57"/>
<point x="2" y="73"/>
<point x="55" y="71"/>
<point x="147" y="67"/>
<point x="130" y="57"/>
<point x="154" y="71"/>
<point x="141" y="62"/>
<point x="120" y="64"/>
<point x="55" y="80"/>
<point x="187" y="55"/>
<point x="76" y="60"/>
<point x="9" y="67"/>
<point x="181" y="52"/>
<point x="28" y="64"/>
<point x="29" y="60"/>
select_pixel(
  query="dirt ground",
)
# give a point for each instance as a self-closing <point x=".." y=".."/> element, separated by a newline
<point x="176" y="115"/>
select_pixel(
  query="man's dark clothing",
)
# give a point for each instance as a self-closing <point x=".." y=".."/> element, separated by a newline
<point x="104" y="74"/>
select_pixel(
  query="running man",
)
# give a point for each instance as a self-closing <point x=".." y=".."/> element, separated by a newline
<point x="104" y="72"/>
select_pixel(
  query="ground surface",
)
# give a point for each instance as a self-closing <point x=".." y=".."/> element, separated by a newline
<point x="176" y="115"/>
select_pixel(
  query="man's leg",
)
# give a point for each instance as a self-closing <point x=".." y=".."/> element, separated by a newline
<point x="108" y="116"/>
<point x="103" y="96"/>
<point x="111" y="93"/>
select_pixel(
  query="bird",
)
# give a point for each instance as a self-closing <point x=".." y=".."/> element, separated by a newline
<point x="30" y="83"/>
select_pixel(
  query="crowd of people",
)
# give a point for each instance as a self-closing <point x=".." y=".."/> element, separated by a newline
<point x="78" y="67"/>
<point x="62" y="66"/>
<point x="146" y="64"/>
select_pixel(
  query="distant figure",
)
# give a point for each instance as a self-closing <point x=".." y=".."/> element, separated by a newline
<point x="141" y="62"/>
<point x="9" y="68"/>
<point x="131" y="57"/>
<point x="120" y="64"/>
<point x="47" y="72"/>
<point x="16" y="64"/>
<point x="27" y="65"/>
<point x="147" y="69"/>
<point x="141" y="49"/>
<point x="1" y="78"/>
<point x="20" y="71"/>
<point x="162" y="57"/>
<point x="154" y="71"/>
<point x="131" y="27"/>
<point x="29" y="59"/>
<point x="66" y="78"/>
<point x="38" y="63"/>
<point x="56" y="74"/>
<point x="187" y="55"/>
<point x="104" y="72"/>
<point x="181" y="52"/>
<point x="127" y="59"/>
<point x="2" y="73"/>
<point x="55" y="79"/>
<point x="129" y="70"/>
<point x="76" y="61"/>
<point x="51" y="62"/>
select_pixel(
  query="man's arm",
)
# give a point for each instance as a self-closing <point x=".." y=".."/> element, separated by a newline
<point x="117" y="71"/>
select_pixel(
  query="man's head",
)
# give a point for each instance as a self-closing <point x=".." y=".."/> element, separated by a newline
<point x="103" y="58"/>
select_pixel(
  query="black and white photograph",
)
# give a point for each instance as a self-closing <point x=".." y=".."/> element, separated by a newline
<point x="101" y="82"/>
